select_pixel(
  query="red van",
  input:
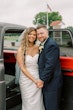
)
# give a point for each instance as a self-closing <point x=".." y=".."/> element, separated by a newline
<point x="9" y="42"/>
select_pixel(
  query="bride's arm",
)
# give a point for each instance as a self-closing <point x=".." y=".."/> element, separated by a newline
<point x="20" y="61"/>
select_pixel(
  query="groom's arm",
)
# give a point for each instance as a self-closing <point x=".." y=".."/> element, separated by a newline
<point x="51" y="59"/>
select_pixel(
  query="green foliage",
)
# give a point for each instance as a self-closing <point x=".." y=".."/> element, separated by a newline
<point x="70" y="27"/>
<point x="41" y="18"/>
<point x="11" y="36"/>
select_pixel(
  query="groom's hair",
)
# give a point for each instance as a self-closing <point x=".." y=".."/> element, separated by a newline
<point x="41" y="26"/>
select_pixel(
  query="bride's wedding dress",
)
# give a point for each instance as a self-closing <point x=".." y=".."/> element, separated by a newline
<point x="32" y="98"/>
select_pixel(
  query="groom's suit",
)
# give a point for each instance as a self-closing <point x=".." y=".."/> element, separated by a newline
<point x="50" y="73"/>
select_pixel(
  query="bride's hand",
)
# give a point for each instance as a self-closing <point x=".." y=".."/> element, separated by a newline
<point x="40" y="83"/>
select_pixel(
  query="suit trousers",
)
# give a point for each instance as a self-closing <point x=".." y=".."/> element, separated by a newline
<point x="52" y="99"/>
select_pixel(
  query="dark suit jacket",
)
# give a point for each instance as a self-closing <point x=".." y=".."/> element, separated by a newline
<point x="49" y="65"/>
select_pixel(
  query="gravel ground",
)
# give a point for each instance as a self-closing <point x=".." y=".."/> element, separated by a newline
<point x="68" y="51"/>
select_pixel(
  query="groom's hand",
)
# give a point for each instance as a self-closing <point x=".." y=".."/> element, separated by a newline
<point x="40" y="83"/>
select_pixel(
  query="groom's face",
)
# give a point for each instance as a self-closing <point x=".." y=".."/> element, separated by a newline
<point x="42" y="34"/>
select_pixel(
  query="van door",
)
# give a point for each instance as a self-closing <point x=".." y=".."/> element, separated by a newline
<point x="2" y="81"/>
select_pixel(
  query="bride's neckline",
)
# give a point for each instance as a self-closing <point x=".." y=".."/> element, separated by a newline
<point x="31" y="55"/>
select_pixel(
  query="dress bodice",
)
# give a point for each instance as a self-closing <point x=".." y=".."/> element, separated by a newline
<point x="29" y="90"/>
<point x="31" y="61"/>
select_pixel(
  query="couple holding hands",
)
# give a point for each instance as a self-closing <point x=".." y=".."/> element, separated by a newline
<point x="40" y="72"/>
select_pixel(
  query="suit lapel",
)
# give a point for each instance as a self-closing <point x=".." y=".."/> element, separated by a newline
<point x="46" y="41"/>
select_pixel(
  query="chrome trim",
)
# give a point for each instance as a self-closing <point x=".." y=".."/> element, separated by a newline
<point x="1" y="59"/>
<point x="2" y="82"/>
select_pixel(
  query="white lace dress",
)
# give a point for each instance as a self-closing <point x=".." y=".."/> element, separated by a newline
<point x="32" y="98"/>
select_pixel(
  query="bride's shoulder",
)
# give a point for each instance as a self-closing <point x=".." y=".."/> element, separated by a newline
<point x="36" y="47"/>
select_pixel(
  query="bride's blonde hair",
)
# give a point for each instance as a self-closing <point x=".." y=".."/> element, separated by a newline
<point x="24" y="41"/>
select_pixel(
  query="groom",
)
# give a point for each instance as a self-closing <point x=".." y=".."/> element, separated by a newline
<point x="49" y="69"/>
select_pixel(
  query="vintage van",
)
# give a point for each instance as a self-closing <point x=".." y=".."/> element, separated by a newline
<point x="9" y="41"/>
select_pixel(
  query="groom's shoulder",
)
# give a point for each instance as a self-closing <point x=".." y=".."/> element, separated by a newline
<point x="50" y="41"/>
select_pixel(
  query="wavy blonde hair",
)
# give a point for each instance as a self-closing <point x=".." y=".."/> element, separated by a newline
<point x="24" y="41"/>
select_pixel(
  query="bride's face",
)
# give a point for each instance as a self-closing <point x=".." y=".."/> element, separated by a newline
<point x="32" y="37"/>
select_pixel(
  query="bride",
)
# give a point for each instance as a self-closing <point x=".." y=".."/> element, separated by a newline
<point x="30" y="84"/>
